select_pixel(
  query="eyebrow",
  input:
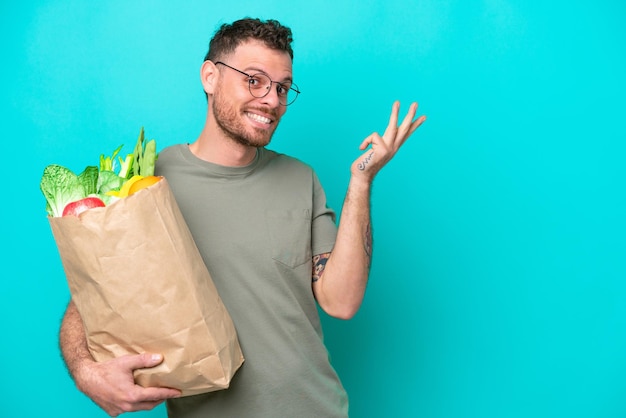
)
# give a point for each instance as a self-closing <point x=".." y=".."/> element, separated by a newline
<point x="250" y="71"/>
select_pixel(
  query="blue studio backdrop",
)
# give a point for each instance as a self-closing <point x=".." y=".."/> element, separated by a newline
<point x="498" y="282"/>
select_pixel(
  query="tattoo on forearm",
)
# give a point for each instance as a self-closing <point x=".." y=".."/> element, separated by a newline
<point x="365" y="161"/>
<point x="319" y="263"/>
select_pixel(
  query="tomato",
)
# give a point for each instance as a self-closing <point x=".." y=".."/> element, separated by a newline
<point x="79" y="206"/>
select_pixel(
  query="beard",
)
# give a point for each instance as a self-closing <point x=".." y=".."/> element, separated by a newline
<point x="230" y="121"/>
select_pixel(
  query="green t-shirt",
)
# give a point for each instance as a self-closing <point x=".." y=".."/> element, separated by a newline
<point x="257" y="228"/>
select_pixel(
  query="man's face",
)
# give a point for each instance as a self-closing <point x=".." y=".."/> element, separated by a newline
<point x="246" y="119"/>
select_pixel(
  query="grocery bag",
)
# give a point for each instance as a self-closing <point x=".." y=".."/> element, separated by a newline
<point x="140" y="285"/>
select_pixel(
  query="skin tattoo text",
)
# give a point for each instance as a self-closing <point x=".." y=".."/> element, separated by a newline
<point x="366" y="161"/>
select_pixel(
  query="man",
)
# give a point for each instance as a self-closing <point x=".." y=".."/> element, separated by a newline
<point x="262" y="225"/>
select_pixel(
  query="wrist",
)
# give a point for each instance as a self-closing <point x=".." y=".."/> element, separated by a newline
<point x="360" y="183"/>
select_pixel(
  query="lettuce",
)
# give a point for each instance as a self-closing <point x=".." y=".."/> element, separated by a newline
<point x="89" y="180"/>
<point x="108" y="181"/>
<point x="60" y="186"/>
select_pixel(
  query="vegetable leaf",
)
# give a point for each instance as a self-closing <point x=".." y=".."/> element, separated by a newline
<point x="143" y="158"/>
<point x="60" y="186"/>
<point x="148" y="159"/>
<point x="89" y="179"/>
<point x="125" y="165"/>
<point x="108" y="180"/>
<point x="107" y="163"/>
<point x="137" y="153"/>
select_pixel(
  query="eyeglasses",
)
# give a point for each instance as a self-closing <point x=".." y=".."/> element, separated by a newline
<point x="260" y="85"/>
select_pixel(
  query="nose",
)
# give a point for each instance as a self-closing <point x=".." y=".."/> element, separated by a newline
<point x="271" y="98"/>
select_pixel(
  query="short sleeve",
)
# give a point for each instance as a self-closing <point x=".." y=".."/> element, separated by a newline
<point x="323" y="227"/>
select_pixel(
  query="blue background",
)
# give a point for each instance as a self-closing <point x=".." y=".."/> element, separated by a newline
<point x="497" y="287"/>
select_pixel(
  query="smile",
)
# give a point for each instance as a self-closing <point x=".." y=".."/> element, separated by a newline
<point x="258" y="118"/>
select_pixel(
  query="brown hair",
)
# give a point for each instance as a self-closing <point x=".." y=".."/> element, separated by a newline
<point x="229" y="36"/>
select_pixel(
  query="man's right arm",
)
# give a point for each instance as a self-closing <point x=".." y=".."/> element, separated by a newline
<point x="109" y="384"/>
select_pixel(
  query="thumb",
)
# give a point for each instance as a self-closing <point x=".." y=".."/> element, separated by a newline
<point x="369" y="140"/>
<point x="141" y="361"/>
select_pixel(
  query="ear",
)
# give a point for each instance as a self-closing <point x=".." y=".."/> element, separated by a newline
<point x="208" y="76"/>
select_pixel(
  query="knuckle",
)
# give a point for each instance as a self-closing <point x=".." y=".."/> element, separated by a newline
<point x="126" y="407"/>
<point x="132" y="397"/>
<point x="127" y="401"/>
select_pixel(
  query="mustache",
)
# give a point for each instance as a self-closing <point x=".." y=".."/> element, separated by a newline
<point x="265" y="110"/>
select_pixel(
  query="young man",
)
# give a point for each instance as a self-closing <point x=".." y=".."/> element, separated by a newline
<point x="262" y="225"/>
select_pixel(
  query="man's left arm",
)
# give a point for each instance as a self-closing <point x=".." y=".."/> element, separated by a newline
<point x="340" y="277"/>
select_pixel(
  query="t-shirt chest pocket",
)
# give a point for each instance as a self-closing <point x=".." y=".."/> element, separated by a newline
<point x="290" y="235"/>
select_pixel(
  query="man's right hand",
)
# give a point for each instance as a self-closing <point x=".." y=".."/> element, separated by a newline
<point x="111" y="384"/>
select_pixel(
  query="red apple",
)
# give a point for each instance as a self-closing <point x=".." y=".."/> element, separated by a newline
<point x="79" y="206"/>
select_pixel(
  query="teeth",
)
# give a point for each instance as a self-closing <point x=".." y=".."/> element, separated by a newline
<point x="258" y="118"/>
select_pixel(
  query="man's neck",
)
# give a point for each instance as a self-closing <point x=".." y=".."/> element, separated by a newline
<point x="223" y="151"/>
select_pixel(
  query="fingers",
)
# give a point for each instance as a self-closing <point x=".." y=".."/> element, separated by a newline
<point x="368" y="140"/>
<point x="146" y="406"/>
<point x="384" y="148"/>
<point x="395" y="111"/>
<point x="408" y="119"/>
<point x="137" y="398"/>
<point x="111" y="384"/>
<point x="405" y="127"/>
<point x="141" y="361"/>
<point x="156" y="394"/>
<point x="140" y="398"/>
<point x="416" y="124"/>
<point x="392" y="126"/>
<point x="396" y="135"/>
<point x="409" y="125"/>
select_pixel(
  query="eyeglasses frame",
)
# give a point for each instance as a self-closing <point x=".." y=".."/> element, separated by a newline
<point x="250" y="76"/>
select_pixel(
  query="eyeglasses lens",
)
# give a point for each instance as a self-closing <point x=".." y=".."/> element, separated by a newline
<point x="260" y="85"/>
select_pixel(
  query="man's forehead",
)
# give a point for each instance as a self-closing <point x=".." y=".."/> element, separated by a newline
<point x="254" y="52"/>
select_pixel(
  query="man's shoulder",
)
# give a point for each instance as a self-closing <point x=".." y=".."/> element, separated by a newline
<point x="171" y="151"/>
<point x="169" y="157"/>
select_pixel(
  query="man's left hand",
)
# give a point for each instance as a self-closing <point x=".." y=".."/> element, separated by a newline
<point x="383" y="148"/>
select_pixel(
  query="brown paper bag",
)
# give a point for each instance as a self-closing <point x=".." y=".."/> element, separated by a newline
<point x="140" y="285"/>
